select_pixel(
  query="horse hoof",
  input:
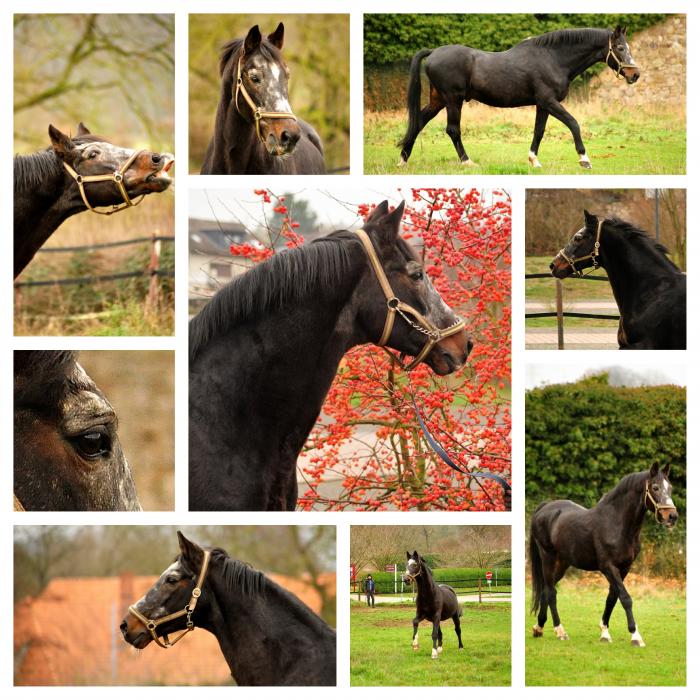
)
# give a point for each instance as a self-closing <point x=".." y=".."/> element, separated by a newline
<point x="536" y="631"/>
<point x="606" y="640"/>
<point x="563" y="638"/>
<point x="439" y="650"/>
<point x="585" y="162"/>
<point x="533" y="160"/>
<point x="469" y="163"/>
<point x="434" y="655"/>
<point x="638" y="643"/>
<point x="402" y="163"/>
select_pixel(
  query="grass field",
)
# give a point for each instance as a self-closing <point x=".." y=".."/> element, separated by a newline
<point x="660" y="612"/>
<point x="499" y="140"/>
<point x="381" y="653"/>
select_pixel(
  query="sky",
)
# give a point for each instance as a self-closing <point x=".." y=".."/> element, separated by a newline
<point x="638" y="375"/>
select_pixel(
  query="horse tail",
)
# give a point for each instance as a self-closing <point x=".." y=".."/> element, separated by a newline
<point x="413" y="98"/>
<point x="536" y="571"/>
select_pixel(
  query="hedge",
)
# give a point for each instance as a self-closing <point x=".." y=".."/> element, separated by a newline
<point x="389" y="38"/>
<point x="384" y="582"/>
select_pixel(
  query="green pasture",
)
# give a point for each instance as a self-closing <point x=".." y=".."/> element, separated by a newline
<point x="381" y="653"/>
<point x="624" y="143"/>
<point x="584" y="660"/>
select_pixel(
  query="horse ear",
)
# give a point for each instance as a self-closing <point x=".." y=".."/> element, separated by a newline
<point x="277" y="37"/>
<point x="617" y="31"/>
<point x="390" y="225"/>
<point x="378" y="212"/>
<point x="252" y="41"/>
<point x="415" y="554"/>
<point x="667" y="470"/>
<point x="624" y="30"/>
<point x="654" y="470"/>
<point x="83" y="130"/>
<point x="192" y="553"/>
<point x="590" y="219"/>
<point x="408" y="554"/>
<point x="62" y="145"/>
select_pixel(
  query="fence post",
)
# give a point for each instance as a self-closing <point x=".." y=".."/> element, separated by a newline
<point x="154" y="286"/>
<point x="560" y="315"/>
<point x="479" y="591"/>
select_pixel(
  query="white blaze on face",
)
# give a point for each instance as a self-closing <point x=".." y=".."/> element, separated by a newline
<point x="274" y="96"/>
<point x="665" y="495"/>
<point x="160" y="612"/>
<point x="409" y="565"/>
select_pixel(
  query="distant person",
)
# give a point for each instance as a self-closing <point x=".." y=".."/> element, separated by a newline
<point x="369" y="590"/>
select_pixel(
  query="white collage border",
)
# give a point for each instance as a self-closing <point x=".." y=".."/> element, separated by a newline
<point x="516" y="184"/>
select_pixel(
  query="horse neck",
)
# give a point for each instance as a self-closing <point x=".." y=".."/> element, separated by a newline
<point x="426" y="587"/>
<point x="580" y="57"/>
<point x="631" y="268"/>
<point x="261" y="635"/>
<point x="629" y="510"/>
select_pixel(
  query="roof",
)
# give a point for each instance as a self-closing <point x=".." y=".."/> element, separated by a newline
<point x="213" y="237"/>
<point x="69" y="635"/>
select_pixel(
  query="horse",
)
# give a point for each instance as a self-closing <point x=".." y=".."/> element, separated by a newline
<point x="649" y="289"/>
<point x="77" y="174"/>
<point x="67" y="454"/>
<point x="266" y="634"/>
<point x="434" y="602"/>
<point x="256" y="132"/>
<point x="538" y="71"/>
<point x="604" y="538"/>
<point x="266" y="348"/>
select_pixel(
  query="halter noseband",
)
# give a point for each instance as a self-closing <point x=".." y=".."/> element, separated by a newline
<point x="412" y="577"/>
<point x="593" y="256"/>
<point x="117" y="176"/>
<point x="654" y="502"/>
<point x="258" y="113"/>
<point x="620" y="64"/>
<point x="188" y="610"/>
<point x="396" y="306"/>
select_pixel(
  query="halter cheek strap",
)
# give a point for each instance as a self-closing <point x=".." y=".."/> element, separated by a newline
<point x="187" y="611"/>
<point x="117" y="176"/>
<point x="412" y="577"/>
<point x="258" y="113"/>
<point x="657" y="506"/>
<point x="592" y="256"/>
<point x="620" y="65"/>
<point x="396" y="306"/>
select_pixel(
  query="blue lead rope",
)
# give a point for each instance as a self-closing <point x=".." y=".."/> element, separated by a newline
<point x="445" y="457"/>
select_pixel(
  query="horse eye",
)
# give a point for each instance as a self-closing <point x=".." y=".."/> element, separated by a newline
<point x="171" y="579"/>
<point x="93" y="444"/>
<point x="578" y="237"/>
<point x="93" y="154"/>
<point x="417" y="275"/>
<point x="655" y="487"/>
<point x="255" y="79"/>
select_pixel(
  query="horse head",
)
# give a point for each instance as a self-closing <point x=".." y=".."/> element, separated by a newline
<point x="657" y="496"/>
<point x="174" y="602"/>
<point x="619" y="57"/>
<point x="414" y="567"/>
<point x="582" y="250"/>
<point x="67" y="452"/>
<point x="261" y="80"/>
<point x="408" y="315"/>
<point x="95" y="169"/>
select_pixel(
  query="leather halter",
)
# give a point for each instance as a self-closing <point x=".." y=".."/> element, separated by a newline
<point x="620" y="64"/>
<point x="395" y="306"/>
<point x="657" y="506"/>
<point x="593" y="255"/>
<point x="16" y="504"/>
<point x="258" y="112"/>
<point x="412" y="577"/>
<point x="187" y="611"/>
<point x="117" y="176"/>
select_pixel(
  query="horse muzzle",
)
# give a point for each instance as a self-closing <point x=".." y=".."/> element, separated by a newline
<point x="560" y="268"/>
<point x="669" y="517"/>
<point x="149" y="173"/>
<point x="451" y="354"/>
<point x="631" y="74"/>
<point x="280" y="136"/>
<point x="137" y="638"/>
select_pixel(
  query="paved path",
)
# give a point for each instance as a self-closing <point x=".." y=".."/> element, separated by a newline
<point x="587" y="339"/>
<point x="593" y="307"/>
<point x="463" y="598"/>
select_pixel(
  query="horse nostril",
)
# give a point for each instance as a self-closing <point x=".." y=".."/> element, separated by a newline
<point x="285" y="138"/>
<point x="551" y="266"/>
<point x="123" y="627"/>
<point x="470" y="346"/>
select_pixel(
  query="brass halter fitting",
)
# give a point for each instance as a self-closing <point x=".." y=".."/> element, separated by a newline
<point x="620" y="64"/>
<point x="117" y="176"/>
<point x="187" y="611"/>
<point x="395" y="306"/>
<point x="592" y="256"/>
<point x="258" y="112"/>
<point x="657" y="506"/>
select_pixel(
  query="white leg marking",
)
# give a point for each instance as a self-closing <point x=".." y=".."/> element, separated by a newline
<point x="439" y="650"/>
<point x="637" y="640"/>
<point x="415" y="641"/>
<point x="534" y="162"/>
<point x="585" y="162"/>
<point x="469" y="163"/>
<point x="561" y="634"/>
<point x="402" y="163"/>
<point x="434" y="654"/>
<point x="536" y="631"/>
<point x="605" y="634"/>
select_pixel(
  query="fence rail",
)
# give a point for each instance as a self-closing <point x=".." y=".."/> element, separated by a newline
<point x="461" y="586"/>
<point x="98" y="246"/>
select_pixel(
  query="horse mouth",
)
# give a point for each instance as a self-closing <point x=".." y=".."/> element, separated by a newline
<point x="140" y="641"/>
<point x="161" y="176"/>
<point x="560" y="270"/>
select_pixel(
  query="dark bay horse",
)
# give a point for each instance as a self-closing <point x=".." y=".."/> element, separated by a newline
<point x="434" y="602"/>
<point x="604" y="538"/>
<point x="76" y="174"/>
<point x="537" y="71"/>
<point x="264" y="352"/>
<point x="256" y="132"/>
<point x="649" y="289"/>
<point x="267" y="635"/>
<point x="67" y="455"/>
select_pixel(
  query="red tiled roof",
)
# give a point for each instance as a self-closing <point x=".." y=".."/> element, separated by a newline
<point x="69" y="635"/>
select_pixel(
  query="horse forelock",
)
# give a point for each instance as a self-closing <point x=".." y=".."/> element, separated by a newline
<point x="570" y="37"/>
<point x="232" y="48"/>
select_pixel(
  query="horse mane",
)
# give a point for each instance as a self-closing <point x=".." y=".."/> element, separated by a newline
<point x="232" y="47"/>
<point x="287" y="277"/>
<point x="33" y="169"/>
<point x="41" y="376"/>
<point x="238" y="576"/>
<point x="624" y="486"/>
<point x="642" y="238"/>
<point x="569" y="37"/>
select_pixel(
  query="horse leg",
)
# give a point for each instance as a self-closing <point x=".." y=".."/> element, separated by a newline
<point x="426" y="114"/>
<point x="540" y="124"/>
<point x="439" y="647"/>
<point x="454" y="116"/>
<point x="609" y="605"/>
<point x="416" y="622"/>
<point x="557" y="111"/>
<point x="615" y="578"/>
<point x="435" y="636"/>
<point x="558" y="570"/>
<point x="542" y="616"/>
<point x="458" y="629"/>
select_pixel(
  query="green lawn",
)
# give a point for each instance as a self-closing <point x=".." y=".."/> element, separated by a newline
<point x="584" y="660"/>
<point x="619" y="144"/>
<point x="381" y="653"/>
